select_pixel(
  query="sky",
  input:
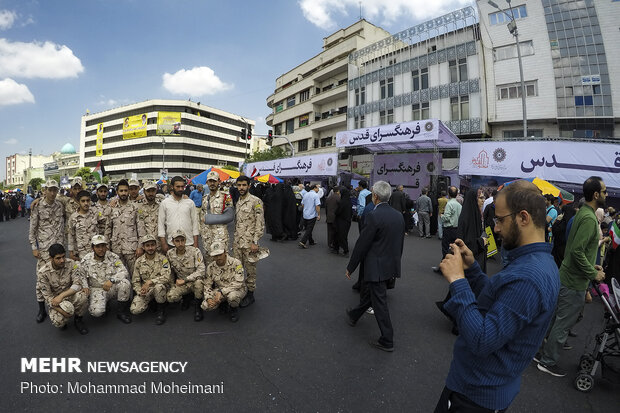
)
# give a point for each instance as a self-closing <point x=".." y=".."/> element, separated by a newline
<point x="60" y="58"/>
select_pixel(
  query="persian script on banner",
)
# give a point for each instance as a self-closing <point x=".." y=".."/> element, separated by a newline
<point x="412" y="170"/>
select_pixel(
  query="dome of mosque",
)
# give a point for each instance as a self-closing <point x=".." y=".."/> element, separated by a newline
<point x="67" y="149"/>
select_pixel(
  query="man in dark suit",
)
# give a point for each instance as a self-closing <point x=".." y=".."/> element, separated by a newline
<point x="331" y="204"/>
<point x="380" y="246"/>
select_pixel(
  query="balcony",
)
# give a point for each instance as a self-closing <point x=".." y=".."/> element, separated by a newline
<point x="270" y="100"/>
<point x="330" y="122"/>
<point x="335" y="93"/>
<point x="269" y="119"/>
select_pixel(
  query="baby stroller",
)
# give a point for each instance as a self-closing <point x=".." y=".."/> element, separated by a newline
<point x="607" y="346"/>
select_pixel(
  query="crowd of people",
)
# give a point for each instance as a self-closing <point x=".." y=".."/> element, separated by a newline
<point x="14" y="204"/>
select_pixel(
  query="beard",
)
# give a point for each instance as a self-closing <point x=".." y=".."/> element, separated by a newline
<point x="512" y="238"/>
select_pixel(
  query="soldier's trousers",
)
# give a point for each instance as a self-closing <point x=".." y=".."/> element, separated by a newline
<point x="212" y="233"/>
<point x="129" y="260"/>
<point x="233" y="298"/>
<point x="177" y="292"/>
<point x="141" y="302"/>
<point x="99" y="297"/>
<point x="73" y="305"/>
<point x="250" y="267"/>
<point x="44" y="258"/>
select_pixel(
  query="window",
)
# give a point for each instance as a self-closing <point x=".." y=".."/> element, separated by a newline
<point x="421" y="111"/>
<point x="290" y="101"/>
<point x="279" y="106"/>
<point x="360" y="96"/>
<point x="326" y="142"/>
<point x="583" y="101"/>
<point x="459" y="107"/>
<point x="510" y="51"/>
<point x="303" y="120"/>
<point x="420" y="79"/>
<point x="304" y="95"/>
<point x="458" y="70"/>
<point x="359" y="121"/>
<point x="513" y="90"/>
<point x="520" y="12"/>
<point x="387" y="88"/>
<point x="302" y="145"/>
<point x="278" y="129"/>
<point x="386" y="117"/>
<point x="518" y="133"/>
<point x="290" y="128"/>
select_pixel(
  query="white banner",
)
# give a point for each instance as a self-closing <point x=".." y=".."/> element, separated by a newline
<point x="563" y="161"/>
<point x="423" y="130"/>
<point x="323" y="164"/>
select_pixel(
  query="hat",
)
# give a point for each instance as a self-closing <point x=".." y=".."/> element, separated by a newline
<point x="76" y="181"/>
<point x="102" y="186"/>
<point x="147" y="238"/>
<point x="51" y="184"/>
<point x="258" y="255"/>
<point x="99" y="239"/>
<point x="213" y="175"/>
<point x="217" y="248"/>
<point x="178" y="233"/>
<point x="134" y="182"/>
<point x="150" y="185"/>
<point x="67" y="307"/>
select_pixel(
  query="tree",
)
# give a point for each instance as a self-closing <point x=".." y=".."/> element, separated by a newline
<point x="56" y="178"/>
<point x="35" y="183"/>
<point x="85" y="173"/>
<point x="230" y="168"/>
<point x="267" y="155"/>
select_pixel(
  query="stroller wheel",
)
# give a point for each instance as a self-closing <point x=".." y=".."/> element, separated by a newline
<point x="585" y="363"/>
<point x="584" y="382"/>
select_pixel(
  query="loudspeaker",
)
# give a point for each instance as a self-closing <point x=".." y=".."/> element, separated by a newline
<point x="443" y="183"/>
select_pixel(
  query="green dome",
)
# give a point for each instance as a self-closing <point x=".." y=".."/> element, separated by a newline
<point x="67" y="149"/>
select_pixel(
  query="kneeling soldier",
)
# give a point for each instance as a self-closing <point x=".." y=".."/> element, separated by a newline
<point x="224" y="283"/>
<point x="188" y="265"/>
<point x="151" y="279"/>
<point x="61" y="287"/>
<point x="105" y="277"/>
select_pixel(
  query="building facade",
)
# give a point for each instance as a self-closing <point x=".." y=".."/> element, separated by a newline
<point x="17" y="167"/>
<point x="310" y="102"/>
<point x="65" y="163"/>
<point x="204" y="137"/>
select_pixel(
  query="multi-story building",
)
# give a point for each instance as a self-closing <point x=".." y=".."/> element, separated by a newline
<point x="65" y="163"/>
<point x="309" y="104"/>
<point x="17" y="167"/>
<point x="571" y="68"/>
<point x="202" y="137"/>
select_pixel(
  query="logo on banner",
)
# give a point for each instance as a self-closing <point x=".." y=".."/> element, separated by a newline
<point x="428" y="126"/>
<point x="330" y="161"/>
<point x="499" y="155"/>
<point x="482" y="161"/>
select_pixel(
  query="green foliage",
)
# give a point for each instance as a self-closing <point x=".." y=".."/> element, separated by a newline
<point x="267" y="155"/>
<point x="85" y="173"/>
<point x="55" y="177"/>
<point x="35" y="183"/>
<point x="229" y="167"/>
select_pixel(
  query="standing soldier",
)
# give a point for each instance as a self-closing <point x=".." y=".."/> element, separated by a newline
<point x="124" y="229"/>
<point x="104" y="277"/>
<point x="148" y="211"/>
<point x="71" y="202"/>
<point x="83" y="225"/>
<point x="61" y="287"/>
<point x="249" y="228"/>
<point x="214" y="228"/>
<point x="151" y="279"/>
<point x="102" y="207"/>
<point x="224" y="282"/>
<point x="134" y="191"/>
<point x="47" y="224"/>
<point x="189" y="268"/>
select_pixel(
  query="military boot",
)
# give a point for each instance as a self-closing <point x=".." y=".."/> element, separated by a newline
<point x="42" y="313"/>
<point x="79" y="325"/>
<point x="197" y="310"/>
<point x="247" y="300"/>
<point x="234" y="314"/>
<point x="185" y="302"/>
<point x="123" y="312"/>
<point x="161" y="314"/>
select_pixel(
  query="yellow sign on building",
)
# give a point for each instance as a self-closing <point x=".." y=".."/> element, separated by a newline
<point x="134" y="126"/>
<point x="169" y="123"/>
<point x="99" y="145"/>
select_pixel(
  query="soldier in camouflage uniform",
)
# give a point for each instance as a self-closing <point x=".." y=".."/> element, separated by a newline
<point x="105" y="277"/>
<point x="249" y="228"/>
<point x="71" y="203"/>
<point x="134" y="191"/>
<point x="83" y="225"/>
<point x="224" y="283"/>
<point x="125" y="230"/>
<point x="151" y="279"/>
<point x="61" y="286"/>
<point x="47" y="222"/>
<point x="148" y="211"/>
<point x="102" y="208"/>
<point x="215" y="202"/>
<point x="189" y="268"/>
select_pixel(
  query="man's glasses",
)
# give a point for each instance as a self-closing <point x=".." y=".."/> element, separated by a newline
<point x="499" y="220"/>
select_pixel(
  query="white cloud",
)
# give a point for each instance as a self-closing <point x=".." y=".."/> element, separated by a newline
<point x="198" y="81"/>
<point x="38" y="60"/>
<point x="322" y="13"/>
<point x="11" y="141"/>
<point x="7" y="18"/>
<point x="13" y="93"/>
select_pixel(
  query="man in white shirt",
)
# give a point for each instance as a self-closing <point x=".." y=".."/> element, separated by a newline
<point x="311" y="213"/>
<point x="177" y="213"/>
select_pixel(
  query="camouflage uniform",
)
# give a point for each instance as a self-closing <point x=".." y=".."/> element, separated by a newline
<point x="249" y="228"/>
<point x="124" y="231"/>
<point x="228" y="279"/>
<point x="95" y="273"/>
<point x="82" y="227"/>
<point x="189" y="267"/>
<point x="103" y="212"/>
<point x="47" y="224"/>
<point x="158" y="270"/>
<point x="147" y="216"/>
<point x="52" y="282"/>
<point x="215" y="204"/>
<point x="71" y="206"/>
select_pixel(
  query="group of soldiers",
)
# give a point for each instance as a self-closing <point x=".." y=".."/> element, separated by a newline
<point x="135" y="242"/>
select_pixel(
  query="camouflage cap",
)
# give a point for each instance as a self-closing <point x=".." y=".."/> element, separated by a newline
<point x="217" y="248"/>
<point x="213" y="176"/>
<point x="178" y="233"/>
<point x="99" y="239"/>
<point x="134" y="182"/>
<point x="102" y="186"/>
<point x="76" y="181"/>
<point x="150" y="185"/>
<point x="147" y="238"/>
<point x="67" y="307"/>
<point x="258" y="255"/>
<point x="51" y="184"/>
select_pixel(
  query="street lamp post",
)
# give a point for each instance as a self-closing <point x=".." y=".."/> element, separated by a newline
<point x="163" y="154"/>
<point x="512" y="28"/>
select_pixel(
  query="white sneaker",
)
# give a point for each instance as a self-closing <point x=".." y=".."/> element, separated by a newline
<point x="370" y="311"/>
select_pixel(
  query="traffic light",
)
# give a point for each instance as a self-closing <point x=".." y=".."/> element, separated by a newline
<point x="243" y="136"/>
<point x="270" y="137"/>
<point x="249" y="134"/>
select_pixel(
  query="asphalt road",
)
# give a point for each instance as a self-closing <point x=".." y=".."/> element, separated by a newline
<point x="290" y="351"/>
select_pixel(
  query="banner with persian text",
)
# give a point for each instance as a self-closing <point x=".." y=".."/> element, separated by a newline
<point x="99" y="142"/>
<point x="169" y="123"/>
<point x="322" y="164"/>
<point x="423" y="130"/>
<point x="134" y="126"/>
<point x="411" y="170"/>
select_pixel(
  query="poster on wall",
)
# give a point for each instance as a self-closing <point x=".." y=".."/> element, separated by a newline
<point x="134" y="126"/>
<point x="99" y="142"/>
<point x="168" y="123"/>
<point x="412" y="170"/>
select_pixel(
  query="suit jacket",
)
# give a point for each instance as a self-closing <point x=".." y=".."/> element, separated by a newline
<point x="380" y="245"/>
<point x="331" y="204"/>
<point x="397" y="201"/>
